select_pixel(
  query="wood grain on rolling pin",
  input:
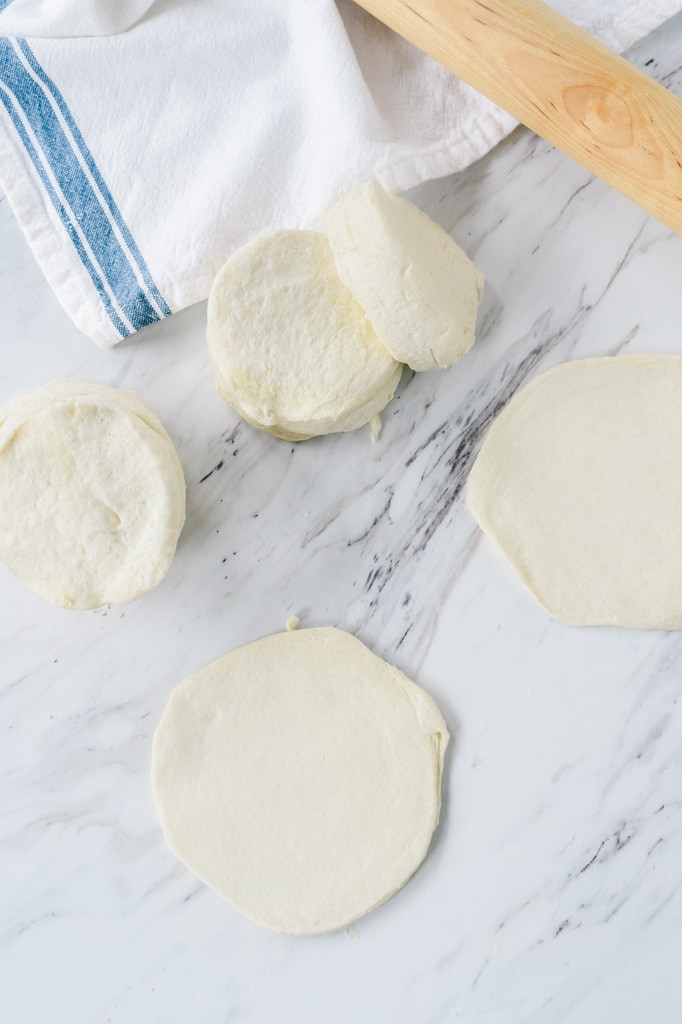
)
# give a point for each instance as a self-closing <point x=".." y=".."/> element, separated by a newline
<point x="560" y="82"/>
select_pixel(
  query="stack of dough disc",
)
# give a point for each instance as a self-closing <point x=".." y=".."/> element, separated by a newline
<point x="92" y="494"/>
<point x="307" y="332"/>
<point x="292" y="351"/>
<point x="299" y="777"/>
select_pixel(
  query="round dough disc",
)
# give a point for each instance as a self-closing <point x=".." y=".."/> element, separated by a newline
<point x="299" y="777"/>
<point x="92" y="494"/>
<point x="291" y="349"/>
<point x="579" y="484"/>
<point x="420" y="291"/>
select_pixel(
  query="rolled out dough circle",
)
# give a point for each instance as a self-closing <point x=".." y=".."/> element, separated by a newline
<point x="579" y="485"/>
<point x="92" y="494"/>
<point x="299" y="777"/>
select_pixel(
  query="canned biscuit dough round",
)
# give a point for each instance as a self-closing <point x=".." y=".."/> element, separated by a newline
<point x="420" y="291"/>
<point x="579" y="485"/>
<point x="299" y="777"/>
<point x="292" y="351"/>
<point x="92" y="494"/>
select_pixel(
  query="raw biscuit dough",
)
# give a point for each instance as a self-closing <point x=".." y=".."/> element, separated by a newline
<point x="299" y="777"/>
<point x="420" y="291"/>
<point x="292" y="351"/>
<point x="579" y="485"/>
<point x="92" y="494"/>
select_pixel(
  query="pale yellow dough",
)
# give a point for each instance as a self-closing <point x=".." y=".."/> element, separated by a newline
<point x="292" y="351"/>
<point x="92" y="494"/>
<point x="420" y="291"/>
<point x="299" y="777"/>
<point x="579" y="485"/>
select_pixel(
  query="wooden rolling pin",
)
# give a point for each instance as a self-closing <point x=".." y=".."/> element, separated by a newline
<point x="560" y="82"/>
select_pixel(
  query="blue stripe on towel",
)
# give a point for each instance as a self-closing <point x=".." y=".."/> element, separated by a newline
<point x="93" y="219"/>
<point x="8" y="103"/>
<point x="94" y="170"/>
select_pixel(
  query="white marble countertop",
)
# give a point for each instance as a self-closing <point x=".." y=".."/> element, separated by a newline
<point x="552" y="892"/>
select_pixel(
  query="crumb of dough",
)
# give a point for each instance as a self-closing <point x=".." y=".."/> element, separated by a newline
<point x="292" y="623"/>
<point x="375" y="428"/>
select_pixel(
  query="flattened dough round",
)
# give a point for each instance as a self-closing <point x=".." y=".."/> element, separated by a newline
<point x="92" y="494"/>
<point x="299" y="777"/>
<point x="420" y="291"/>
<point x="292" y="351"/>
<point x="579" y="484"/>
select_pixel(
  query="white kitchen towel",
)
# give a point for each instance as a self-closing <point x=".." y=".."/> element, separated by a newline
<point x="141" y="143"/>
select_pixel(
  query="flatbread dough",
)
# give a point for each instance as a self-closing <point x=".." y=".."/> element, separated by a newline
<point x="291" y="349"/>
<point x="579" y="484"/>
<point x="420" y="291"/>
<point x="299" y="777"/>
<point x="92" y="494"/>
